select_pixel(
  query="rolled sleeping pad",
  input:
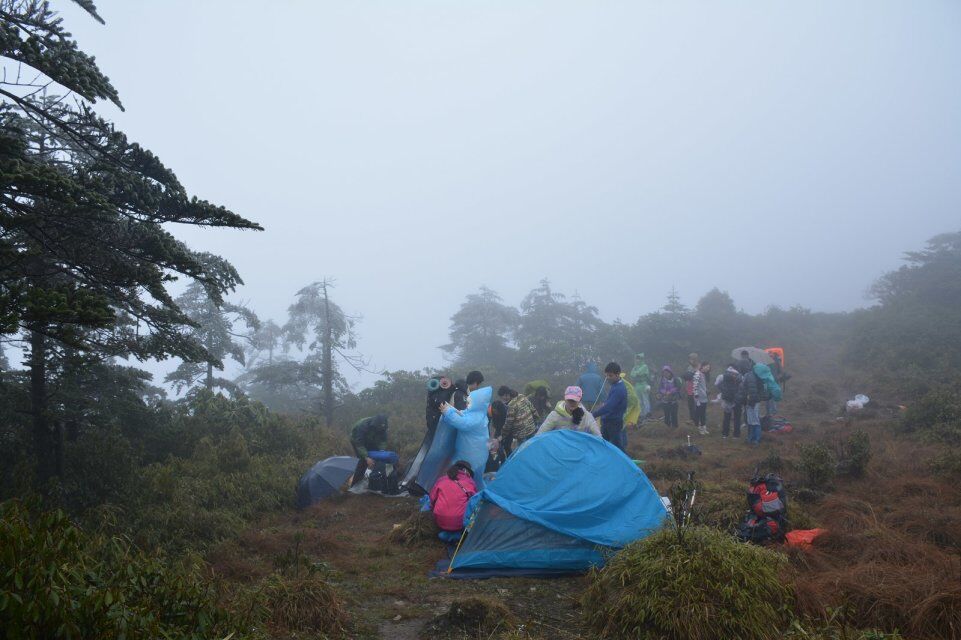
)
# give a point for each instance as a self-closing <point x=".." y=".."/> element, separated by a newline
<point x="387" y="457"/>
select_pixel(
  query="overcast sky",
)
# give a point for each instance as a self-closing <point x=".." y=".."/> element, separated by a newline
<point x="786" y="152"/>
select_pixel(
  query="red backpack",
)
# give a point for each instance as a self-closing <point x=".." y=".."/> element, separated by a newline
<point x="766" y="520"/>
<point x="766" y="497"/>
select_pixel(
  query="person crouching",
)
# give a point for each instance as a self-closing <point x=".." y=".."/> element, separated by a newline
<point x="450" y="495"/>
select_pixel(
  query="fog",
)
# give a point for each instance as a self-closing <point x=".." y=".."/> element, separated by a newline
<point x="787" y="153"/>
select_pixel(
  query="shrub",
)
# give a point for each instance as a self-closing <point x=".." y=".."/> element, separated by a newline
<point x="192" y="503"/>
<point x="720" y="505"/>
<point x="854" y="454"/>
<point x="772" y="463"/>
<point x="947" y="463"/>
<point x="936" y="416"/>
<point x="306" y="603"/>
<point x="479" y="617"/>
<point x="56" y="581"/>
<point x="419" y="528"/>
<point x="818" y="465"/>
<point x="708" y="586"/>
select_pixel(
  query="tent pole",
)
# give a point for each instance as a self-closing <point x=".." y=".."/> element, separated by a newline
<point x="450" y="567"/>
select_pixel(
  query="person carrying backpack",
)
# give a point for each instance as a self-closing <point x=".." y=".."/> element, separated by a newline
<point x="750" y="394"/>
<point x="450" y="496"/>
<point x="728" y="384"/>
<point x="669" y="393"/>
<point x="592" y="385"/>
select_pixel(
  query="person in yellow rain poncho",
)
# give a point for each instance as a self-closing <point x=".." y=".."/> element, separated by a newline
<point x="633" y="413"/>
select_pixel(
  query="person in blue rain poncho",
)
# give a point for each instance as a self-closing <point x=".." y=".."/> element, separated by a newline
<point x="592" y="385"/>
<point x="472" y="432"/>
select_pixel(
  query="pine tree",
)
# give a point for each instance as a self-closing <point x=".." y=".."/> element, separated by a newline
<point x="318" y="323"/>
<point x="85" y="257"/>
<point x="482" y="330"/>
<point x="214" y="328"/>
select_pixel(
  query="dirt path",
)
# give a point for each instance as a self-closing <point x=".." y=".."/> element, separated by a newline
<point x="389" y="592"/>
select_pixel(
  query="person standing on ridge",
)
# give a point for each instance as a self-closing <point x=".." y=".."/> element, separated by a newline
<point x="669" y="393"/>
<point x="520" y="424"/>
<point x="700" y="397"/>
<point x="592" y="385"/>
<point x="641" y="375"/>
<point x="463" y="389"/>
<point x="612" y="411"/>
<point x="693" y="366"/>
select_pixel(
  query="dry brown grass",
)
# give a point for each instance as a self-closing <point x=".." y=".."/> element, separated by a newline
<point x="307" y="604"/>
<point x="888" y="558"/>
<point x="471" y="618"/>
<point x="418" y="529"/>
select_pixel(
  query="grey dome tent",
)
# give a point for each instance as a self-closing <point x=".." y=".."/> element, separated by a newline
<point x="323" y="479"/>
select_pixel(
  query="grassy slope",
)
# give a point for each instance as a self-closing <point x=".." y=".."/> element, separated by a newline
<point x="911" y="521"/>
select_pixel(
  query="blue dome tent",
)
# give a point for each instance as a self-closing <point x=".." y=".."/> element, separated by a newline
<point x="562" y="503"/>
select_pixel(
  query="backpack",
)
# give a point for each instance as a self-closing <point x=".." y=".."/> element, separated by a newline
<point x="766" y="519"/>
<point x="383" y="478"/>
<point x="760" y="530"/>
<point x="730" y="383"/>
<point x="767" y="497"/>
<point x="439" y="391"/>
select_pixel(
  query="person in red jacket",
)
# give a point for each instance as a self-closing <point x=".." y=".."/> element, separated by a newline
<point x="450" y="494"/>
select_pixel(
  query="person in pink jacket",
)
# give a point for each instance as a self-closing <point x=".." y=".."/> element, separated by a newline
<point x="450" y="494"/>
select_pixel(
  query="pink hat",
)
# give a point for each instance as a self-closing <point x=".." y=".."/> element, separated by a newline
<point x="573" y="393"/>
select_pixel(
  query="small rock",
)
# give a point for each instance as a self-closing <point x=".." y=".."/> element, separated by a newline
<point x="503" y="592"/>
<point x="397" y="617"/>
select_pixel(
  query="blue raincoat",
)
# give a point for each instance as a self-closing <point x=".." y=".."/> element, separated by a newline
<point x="591" y="383"/>
<point x="470" y="427"/>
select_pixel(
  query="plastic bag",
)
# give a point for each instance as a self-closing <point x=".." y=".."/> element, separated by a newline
<point x="859" y="402"/>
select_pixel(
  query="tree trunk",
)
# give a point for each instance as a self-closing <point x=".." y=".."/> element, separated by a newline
<point x="328" y="363"/>
<point x="209" y="382"/>
<point x="42" y="438"/>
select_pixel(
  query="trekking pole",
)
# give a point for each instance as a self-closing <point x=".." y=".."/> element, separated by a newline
<point x="690" y="506"/>
<point x="598" y="397"/>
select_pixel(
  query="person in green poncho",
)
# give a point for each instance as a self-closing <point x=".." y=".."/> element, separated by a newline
<point x="641" y="376"/>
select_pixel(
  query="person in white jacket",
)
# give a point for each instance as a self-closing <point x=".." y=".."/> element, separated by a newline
<point x="571" y="414"/>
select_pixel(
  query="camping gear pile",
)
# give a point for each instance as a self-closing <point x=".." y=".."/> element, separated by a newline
<point x="766" y="519"/>
<point x="777" y="424"/>
<point x="383" y="477"/>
